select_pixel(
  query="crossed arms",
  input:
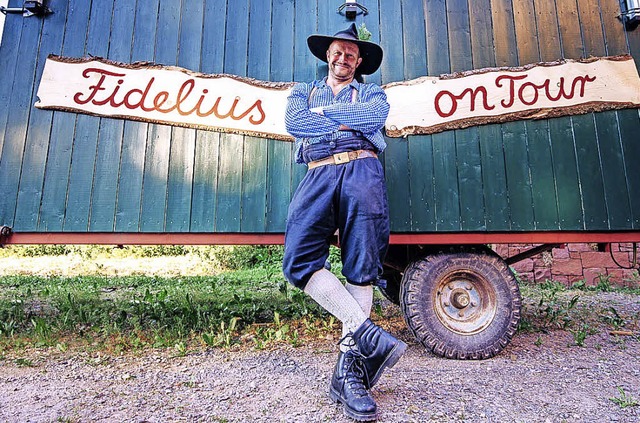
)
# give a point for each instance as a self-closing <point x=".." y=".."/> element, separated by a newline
<point x="367" y="115"/>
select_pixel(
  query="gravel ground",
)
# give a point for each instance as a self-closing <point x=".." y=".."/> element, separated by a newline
<point x="539" y="377"/>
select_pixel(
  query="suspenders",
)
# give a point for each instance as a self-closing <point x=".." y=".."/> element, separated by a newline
<point x="354" y="95"/>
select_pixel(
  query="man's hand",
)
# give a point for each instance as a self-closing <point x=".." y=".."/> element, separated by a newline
<point x="320" y="111"/>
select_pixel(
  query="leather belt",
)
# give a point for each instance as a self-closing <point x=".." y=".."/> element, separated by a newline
<point x="342" y="158"/>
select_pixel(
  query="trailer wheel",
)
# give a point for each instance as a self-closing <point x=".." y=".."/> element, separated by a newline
<point x="463" y="305"/>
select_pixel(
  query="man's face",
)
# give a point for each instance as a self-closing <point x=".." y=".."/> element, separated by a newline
<point x="343" y="58"/>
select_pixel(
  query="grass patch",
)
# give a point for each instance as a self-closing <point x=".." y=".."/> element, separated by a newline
<point x="552" y="305"/>
<point x="125" y="313"/>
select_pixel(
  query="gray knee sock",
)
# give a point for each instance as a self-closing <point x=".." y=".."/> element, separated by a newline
<point x="363" y="294"/>
<point x="327" y="290"/>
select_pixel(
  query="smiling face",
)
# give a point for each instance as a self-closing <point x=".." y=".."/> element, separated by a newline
<point x="343" y="58"/>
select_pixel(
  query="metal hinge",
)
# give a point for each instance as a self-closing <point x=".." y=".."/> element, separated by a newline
<point x="29" y="8"/>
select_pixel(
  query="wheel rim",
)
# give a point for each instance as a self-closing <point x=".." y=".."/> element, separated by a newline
<point x="465" y="302"/>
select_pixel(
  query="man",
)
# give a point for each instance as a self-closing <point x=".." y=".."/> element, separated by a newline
<point x="337" y="123"/>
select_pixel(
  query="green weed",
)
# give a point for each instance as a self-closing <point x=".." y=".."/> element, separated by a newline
<point x="24" y="362"/>
<point x="613" y="319"/>
<point x="552" y="309"/>
<point x="223" y="337"/>
<point x="624" y="400"/>
<point x="580" y="334"/>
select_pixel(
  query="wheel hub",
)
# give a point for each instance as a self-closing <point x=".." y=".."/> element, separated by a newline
<point x="465" y="302"/>
<point x="460" y="299"/>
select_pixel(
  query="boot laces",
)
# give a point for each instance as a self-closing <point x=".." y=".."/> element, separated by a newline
<point x="355" y="373"/>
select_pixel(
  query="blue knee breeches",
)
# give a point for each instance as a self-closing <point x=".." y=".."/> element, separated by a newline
<point x="350" y="197"/>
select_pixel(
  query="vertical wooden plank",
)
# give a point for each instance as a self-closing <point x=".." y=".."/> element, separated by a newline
<point x="254" y="184"/>
<point x="229" y="190"/>
<point x="180" y="182"/>
<point x="565" y="169"/>
<point x="514" y="133"/>
<point x="205" y="180"/>
<point x="494" y="181"/>
<point x="254" y="161"/>
<point x="545" y="208"/>
<point x="437" y="39"/>
<point x="481" y="32"/>
<point x="372" y="22"/>
<point x="280" y="154"/>
<point x="498" y="200"/>
<point x="61" y="140"/>
<point x="83" y="159"/>
<point x="132" y="158"/>
<point x="543" y="199"/>
<point x="9" y="51"/>
<point x="391" y="41"/>
<point x="208" y="143"/>
<point x="570" y="33"/>
<point x="39" y="128"/>
<point x="459" y="35"/>
<point x="589" y="169"/>
<point x="504" y="33"/>
<point x="305" y="18"/>
<point x="494" y="178"/>
<point x="15" y="131"/>
<point x="446" y="206"/>
<point x="616" y="190"/>
<point x="396" y="156"/>
<point x="328" y="22"/>
<point x="105" y="184"/>
<point x="551" y="30"/>
<point x="419" y="148"/>
<point x="304" y="70"/>
<point x="629" y="130"/>
<point x="469" y="179"/>
<point x="628" y="120"/>
<point x="572" y="48"/>
<point x="616" y="194"/>
<point x="228" y="213"/>
<point x="156" y="169"/>
<point x="182" y="154"/>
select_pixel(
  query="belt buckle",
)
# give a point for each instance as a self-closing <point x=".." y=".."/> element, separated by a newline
<point x="341" y="158"/>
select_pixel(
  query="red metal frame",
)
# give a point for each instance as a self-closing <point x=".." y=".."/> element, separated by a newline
<point x="129" y="238"/>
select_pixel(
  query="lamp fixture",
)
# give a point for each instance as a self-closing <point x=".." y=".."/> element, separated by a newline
<point x="351" y="9"/>
<point x="630" y="13"/>
<point x="29" y="8"/>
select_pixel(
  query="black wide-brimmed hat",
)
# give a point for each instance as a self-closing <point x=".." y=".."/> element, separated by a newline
<point x="371" y="53"/>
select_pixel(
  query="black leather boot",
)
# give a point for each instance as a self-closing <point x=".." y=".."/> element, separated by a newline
<point x="347" y="387"/>
<point x="379" y="348"/>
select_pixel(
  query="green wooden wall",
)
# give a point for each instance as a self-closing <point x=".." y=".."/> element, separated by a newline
<point x="66" y="172"/>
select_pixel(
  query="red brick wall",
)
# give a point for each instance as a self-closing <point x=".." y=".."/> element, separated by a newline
<point x="574" y="263"/>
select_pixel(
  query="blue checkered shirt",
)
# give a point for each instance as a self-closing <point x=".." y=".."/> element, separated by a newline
<point x="367" y="114"/>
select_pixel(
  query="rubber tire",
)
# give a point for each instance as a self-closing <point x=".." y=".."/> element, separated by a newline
<point x="418" y="294"/>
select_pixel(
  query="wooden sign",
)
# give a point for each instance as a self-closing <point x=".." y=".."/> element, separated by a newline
<point x="228" y="103"/>
<point x="428" y="105"/>
<point x="169" y="95"/>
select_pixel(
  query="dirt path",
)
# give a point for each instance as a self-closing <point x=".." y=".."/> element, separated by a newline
<point x="537" y="378"/>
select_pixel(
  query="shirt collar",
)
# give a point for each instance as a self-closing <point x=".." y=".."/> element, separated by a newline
<point x="354" y="84"/>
